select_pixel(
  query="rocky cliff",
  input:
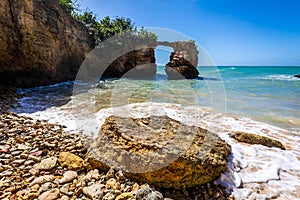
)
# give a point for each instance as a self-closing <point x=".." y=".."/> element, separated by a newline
<point x="40" y="44"/>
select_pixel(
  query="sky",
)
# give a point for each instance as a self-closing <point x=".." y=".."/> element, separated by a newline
<point x="233" y="32"/>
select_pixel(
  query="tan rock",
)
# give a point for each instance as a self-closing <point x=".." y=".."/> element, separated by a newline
<point x="256" y="139"/>
<point x="199" y="158"/>
<point x="113" y="184"/>
<point x="68" y="176"/>
<point x="42" y="179"/>
<point x="70" y="161"/>
<point x="46" y="164"/>
<point x="125" y="196"/>
<point x="50" y="195"/>
<point x="94" y="191"/>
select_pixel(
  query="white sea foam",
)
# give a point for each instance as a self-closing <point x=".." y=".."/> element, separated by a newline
<point x="254" y="171"/>
<point x="280" y="77"/>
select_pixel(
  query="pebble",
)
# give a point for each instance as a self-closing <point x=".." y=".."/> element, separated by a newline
<point x="113" y="184"/>
<point x="64" y="189"/>
<point x="45" y="187"/>
<point x="6" y="173"/>
<point x="23" y="147"/>
<point x="68" y="176"/>
<point x="49" y="195"/>
<point x="18" y="162"/>
<point x="109" y="196"/>
<point x="46" y="164"/>
<point x="42" y="179"/>
<point x="125" y="196"/>
<point x="93" y="174"/>
<point x="94" y="191"/>
<point x="70" y="161"/>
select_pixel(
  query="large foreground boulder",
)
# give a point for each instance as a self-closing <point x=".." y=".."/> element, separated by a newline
<point x="40" y="43"/>
<point x="161" y="151"/>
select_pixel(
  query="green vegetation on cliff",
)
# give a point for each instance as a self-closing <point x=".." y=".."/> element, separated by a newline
<point x="105" y="28"/>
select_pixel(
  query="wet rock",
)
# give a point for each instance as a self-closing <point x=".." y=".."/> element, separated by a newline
<point x="46" y="164"/>
<point x="49" y="195"/>
<point x="94" y="191"/>
<point x="70" y="161"/>
<point x="256" y="139"/>
<point x="297" y="75"/>
<point x="68" y="177"/>
<point x="200" y="157"/>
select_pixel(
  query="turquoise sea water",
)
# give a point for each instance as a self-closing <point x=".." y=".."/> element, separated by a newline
<point x="267" y="94"/>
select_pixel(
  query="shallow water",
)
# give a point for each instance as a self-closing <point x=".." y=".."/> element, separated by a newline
<point x="267" y="94"/>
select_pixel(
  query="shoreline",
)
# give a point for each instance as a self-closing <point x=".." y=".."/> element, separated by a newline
<point x="29" y="144"/>
<point x="235" y="180"/>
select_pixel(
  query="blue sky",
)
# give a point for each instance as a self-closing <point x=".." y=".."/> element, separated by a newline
<point x="234" y="32"/>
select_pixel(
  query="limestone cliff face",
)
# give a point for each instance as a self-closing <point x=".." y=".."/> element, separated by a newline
<point x="40" y="44"/>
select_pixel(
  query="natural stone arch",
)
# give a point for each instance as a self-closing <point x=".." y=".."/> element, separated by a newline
<point x="183" y="61"/>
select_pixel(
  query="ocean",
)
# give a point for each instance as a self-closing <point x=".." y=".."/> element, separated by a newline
<point x="266" y="94"/>
<point x="260" y="100"/>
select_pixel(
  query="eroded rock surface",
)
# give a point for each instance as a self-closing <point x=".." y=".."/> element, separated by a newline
<point x="40" y="44"/>
<point x="251" y="138"/>
<point x="161" y="151"/>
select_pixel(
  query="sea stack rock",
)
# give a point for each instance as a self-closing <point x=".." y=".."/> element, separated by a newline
<point x="183" y="61"/>
<point x="40" y="43"/>
<point x="161" y="151"/>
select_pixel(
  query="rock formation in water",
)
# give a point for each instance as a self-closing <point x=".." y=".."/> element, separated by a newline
<point x="183" y="61"/>
<point x="297" y="75"/>
<point x="40" y="44"/>
<point x="134" y="64"/>
<point x="256" y="139"/>
<point x="161" y="151"/>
